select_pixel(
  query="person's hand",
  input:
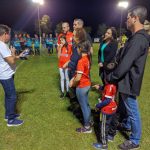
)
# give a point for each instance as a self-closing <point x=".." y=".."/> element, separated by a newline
<point x="61" y="45"/>
<point x="22" y="53"/>
<point x="105" y="81"/>
<point x="99" y="100"/>
<point x="96" y="86"/>
<point x="96" y="109"/>
<point x="100" y="65"/>
<point x="65" y="65"/>
<point x="13" y="50"/>
<point x="71" y="82"/>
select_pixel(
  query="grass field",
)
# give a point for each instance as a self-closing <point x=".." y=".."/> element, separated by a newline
<point x="48" y="124"/>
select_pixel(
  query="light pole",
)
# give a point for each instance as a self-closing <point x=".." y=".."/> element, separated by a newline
<point x="123" y="4"/>
<point x="39" y="2"/>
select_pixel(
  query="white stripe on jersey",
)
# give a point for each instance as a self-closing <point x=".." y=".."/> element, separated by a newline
<point x="80" y="72"/>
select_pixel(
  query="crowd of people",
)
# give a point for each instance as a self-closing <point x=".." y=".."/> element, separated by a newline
<point x="120" y="70"/>
<point x="24" y="41"/>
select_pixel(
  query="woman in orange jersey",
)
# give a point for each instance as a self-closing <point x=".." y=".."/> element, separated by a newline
<point x="64" y="53"/>
<point x="81" y="80"/>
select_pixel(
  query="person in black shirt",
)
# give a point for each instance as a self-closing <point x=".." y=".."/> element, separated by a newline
<point x="107" y="51"/>
<point x="129" y="73"/>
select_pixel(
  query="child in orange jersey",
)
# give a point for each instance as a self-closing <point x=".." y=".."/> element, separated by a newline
<point x="64" y="53"/>
<point x="107" y="106"/>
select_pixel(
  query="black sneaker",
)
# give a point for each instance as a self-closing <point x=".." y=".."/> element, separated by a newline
<point x="67" y="95"/>
<point x="70" y="108"/>
<point x="128" y="145"/>
<point x="62" y="95"/>
<point x="74" y="99"/>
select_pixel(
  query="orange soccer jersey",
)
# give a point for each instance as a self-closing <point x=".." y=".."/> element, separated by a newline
<point x="58" y="40"/>
<point x="83" y="67"/>
<point x="109" y="91"/>
<point x="69" y="38"/>
<point x="64" y="56"/>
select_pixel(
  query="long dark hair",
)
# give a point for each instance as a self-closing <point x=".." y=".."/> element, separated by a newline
<point x="66" y="43"/>
<point x="80" y="34"/>
<point x="114" y="32"/>
<point x="85" y="47"/>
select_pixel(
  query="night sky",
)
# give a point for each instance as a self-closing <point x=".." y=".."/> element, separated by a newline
<point x="21" y="14"/>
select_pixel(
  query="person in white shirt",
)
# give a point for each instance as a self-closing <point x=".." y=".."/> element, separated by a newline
<point x="7" y="69"/>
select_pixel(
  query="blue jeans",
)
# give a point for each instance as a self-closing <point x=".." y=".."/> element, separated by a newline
<point x="71" y="73"/>
<point x="72" y="90"/>
<point x="64" y="78"/>
<point x="10" y="97"/>
<point x="126" y="123"/>
<point x="131" y="105"/>
<point x="82" y="95"/>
